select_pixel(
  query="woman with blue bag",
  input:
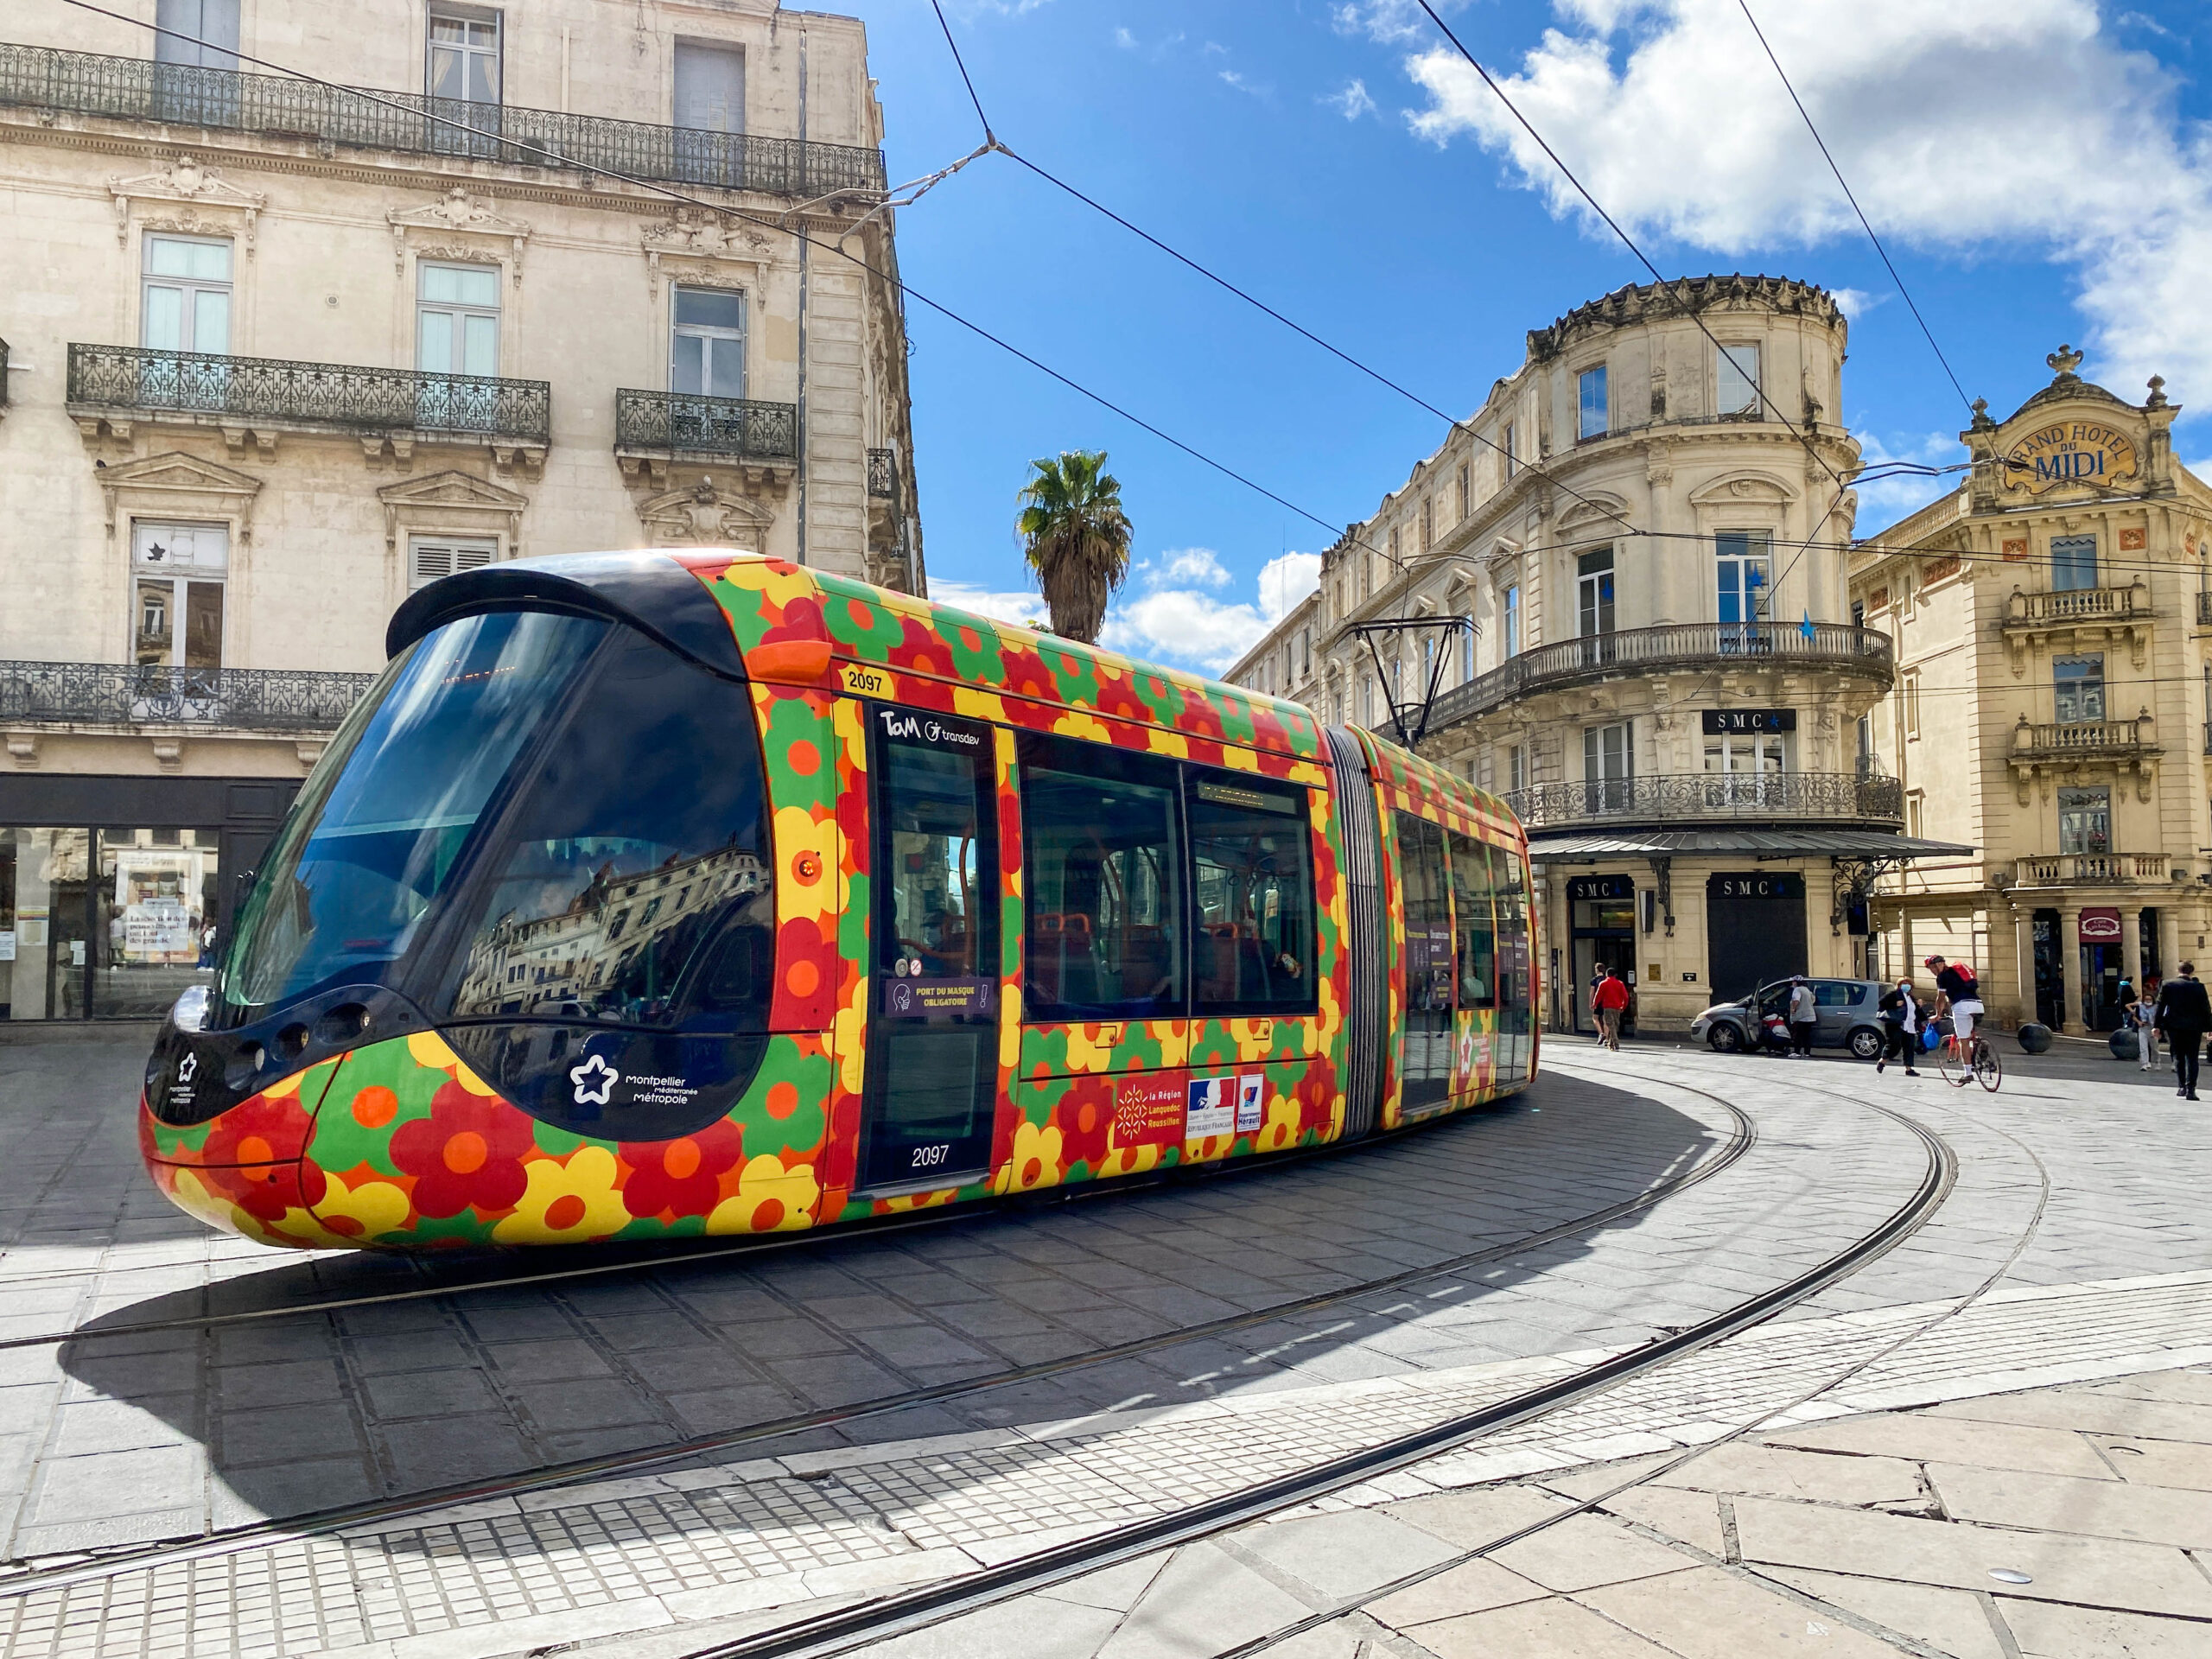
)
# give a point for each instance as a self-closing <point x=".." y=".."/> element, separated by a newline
<point x="1900" y="1012"/>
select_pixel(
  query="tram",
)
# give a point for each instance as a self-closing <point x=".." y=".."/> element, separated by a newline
<point x="659" y="894"/>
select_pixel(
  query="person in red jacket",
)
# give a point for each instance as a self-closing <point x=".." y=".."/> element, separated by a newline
<point x="1609" y="1002"/>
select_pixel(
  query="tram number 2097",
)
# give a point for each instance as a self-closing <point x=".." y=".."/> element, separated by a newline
<point x="930" y="1157"/>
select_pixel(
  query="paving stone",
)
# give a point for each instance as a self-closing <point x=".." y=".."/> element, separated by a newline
<point x="1552" y="1629"/>
<point x="2099" y="1508"/>
<point x="2093" y="1571"/>
<point x="2044" y="1631"/>
<point x="430" y="1394"/>
<point x="1952" y="1621"/>
<point x="1471" y="1586"/>
<point x="1707" y="1614"/>
<point x="279" y="1433"/>
<point x="1585" y="1550"/>
<point x="105" y="1483"/>
<point x="2070" y="1408"/>
<point x="540" y="1362"/>
<point x="1201" y="1602"/>
<point x="1343" y="1554"/>
<point x="2159" y="1462"/>
<point x="2000" y="1446"/>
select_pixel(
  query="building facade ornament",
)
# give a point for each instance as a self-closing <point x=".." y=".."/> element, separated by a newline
<point x="705" y="515"/>
<point x="452" y="503"/>
<point x="186" y="197"/>
<point x="459" y="211"/>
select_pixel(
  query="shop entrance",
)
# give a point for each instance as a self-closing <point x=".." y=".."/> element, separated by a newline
<point x="2102" y="968"/>
<point x="2050" y="989"/>
<point x="1754" y="930"/>
<point x="1603" y="924"/>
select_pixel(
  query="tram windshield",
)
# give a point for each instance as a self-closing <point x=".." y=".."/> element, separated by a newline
<point x="531" y="817"/>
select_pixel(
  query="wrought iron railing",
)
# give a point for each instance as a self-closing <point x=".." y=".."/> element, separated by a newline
<point x="1729" y="796"/>
<point x="247" y="389"/>
<point x="2204" y="610"/>
<point x="119" y="694"/>
<point x="740" y="428"/>
<point x="2066" y="606"/>
<point x="1687" y="644"/>
<point x="2081" y="737"/>
<point x="133" y="89"/>
<point x="883" y="474"/>
<point x="2107" y="867"/>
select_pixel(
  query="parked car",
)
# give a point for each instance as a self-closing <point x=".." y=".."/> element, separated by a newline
<point x="1847" y="1007"/>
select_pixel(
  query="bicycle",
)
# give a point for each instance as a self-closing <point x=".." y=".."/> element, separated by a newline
<point x="1979" y="1064"/>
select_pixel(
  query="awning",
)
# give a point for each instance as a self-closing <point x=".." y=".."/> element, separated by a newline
<point x="1839" y="842"/>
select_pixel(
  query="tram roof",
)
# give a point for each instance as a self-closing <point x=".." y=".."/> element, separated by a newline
<point x="793" y="624"/>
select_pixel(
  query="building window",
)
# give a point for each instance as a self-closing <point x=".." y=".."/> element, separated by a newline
<point x="1428" y="523"/>
<point x="1509" y="640"/>
<point x="1592" y="421"/>
<point x="2073" y="562"/>
<point x="2085" y="820"/>
<point x="429" y="557"/>
<point x="1911" y="706"/>
<point x="706" y="355"/>
<point x="1466" y="490"/>
<point x="709" y="87"/>
<point x="464" y="60"/>
<point x="457" y="319"/>
<point x="1467" y="646"/>
<point x="1912" y="804"/>
<point x="185" y="296"/>
<point x="1594" y="589"/>
<point x="202" y="34"/>
<point x="1858" y="613"/>
<point x="1866" y="758"/>
<point x="1506" y="444"/>
<point x="177" y="573"/>
<point x="1306" y="653"/>
<point x="1744" y="567"/>
<point x="1758" y="753"/>
<point x="2078" y="688"/>
<point x="1738" y="372"/>
<point x="1396" y="564"/>
<point x="1608" y="765"/>
<point x="1517" y="767"/>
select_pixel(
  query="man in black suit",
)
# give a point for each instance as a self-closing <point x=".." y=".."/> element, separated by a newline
<point x="2184" y="1014"/>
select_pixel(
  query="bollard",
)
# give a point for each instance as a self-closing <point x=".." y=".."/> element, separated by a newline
<point x="2036" y="1038"/>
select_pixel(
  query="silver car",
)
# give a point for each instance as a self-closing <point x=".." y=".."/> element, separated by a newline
<point x="1848" y="1009"/>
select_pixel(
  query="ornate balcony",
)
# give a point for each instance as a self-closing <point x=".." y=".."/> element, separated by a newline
<point x="2069" y="748"/>
<point x="261" y="397"/>
<point x="275" y="107"/>
<point x="1832" y="646"/>
<point x="114" y="694"/>
<point x="882" y="473"/>
<point x="1713" y="797"/>
<point x="2098" y="614"/>
<point x="2098" y="869"/>
<point x="654" y="428"/>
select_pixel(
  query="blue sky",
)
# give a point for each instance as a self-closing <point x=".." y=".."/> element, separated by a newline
<point x="2039" y="168"/>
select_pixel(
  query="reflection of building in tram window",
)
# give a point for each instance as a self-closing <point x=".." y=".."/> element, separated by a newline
<point x="628" y="944"/>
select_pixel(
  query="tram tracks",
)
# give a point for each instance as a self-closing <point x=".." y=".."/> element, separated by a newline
<point x="1742" y="1138"/>
<point x="845" y="1629"/>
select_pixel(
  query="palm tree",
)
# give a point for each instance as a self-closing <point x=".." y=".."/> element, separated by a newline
<point x="1077" y="539"/>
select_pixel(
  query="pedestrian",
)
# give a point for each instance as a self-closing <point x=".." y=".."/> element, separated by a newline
<point x="2135" y="1017"/>
<point x="1804" y="1018"/>
<point x="2183" y="1014"/>
<point x="1608" y="1002"/>
<point x="1900" y="1012"/>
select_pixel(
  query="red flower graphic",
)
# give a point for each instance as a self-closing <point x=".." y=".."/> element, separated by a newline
<point x="685" y="1175"/>
<point x="1084" y="1118"/>
<point x="260" y="1129"/>
<point x="1316" y="1095"/>
<point x="469" y="1150"/>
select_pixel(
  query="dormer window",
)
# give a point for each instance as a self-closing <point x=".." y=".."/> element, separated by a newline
<point x="1738" y="387"/>
<point x="1593" y="420"/>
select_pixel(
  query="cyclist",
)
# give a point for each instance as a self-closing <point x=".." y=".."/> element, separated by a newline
<point x="1958" y="994"/>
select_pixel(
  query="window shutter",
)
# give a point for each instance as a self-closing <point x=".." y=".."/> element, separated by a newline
<point x="432" y="561"/>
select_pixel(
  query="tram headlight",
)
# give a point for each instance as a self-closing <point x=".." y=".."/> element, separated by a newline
<point x="190" y="1011"/>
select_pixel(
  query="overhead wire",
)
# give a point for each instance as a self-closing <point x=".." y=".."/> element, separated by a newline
<point x="572" y="164"/>
<point x="1904" y="292"/>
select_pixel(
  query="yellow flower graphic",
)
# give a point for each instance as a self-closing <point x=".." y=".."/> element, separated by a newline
<point x="567" y="1202"/>
<point x="770" y="1199"/>
<point x="426" y="1048"/>
<point x="1075" y="723"/>
<point x="364" y="1212"/>
<point x="1281" y="1128"/>
<point x="1035" y="1162"/>
<point x="810" y="883"/>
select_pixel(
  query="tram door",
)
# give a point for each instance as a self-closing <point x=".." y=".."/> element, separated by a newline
<point x="1425" y="1059"/>
<point x="931" y="1080"/>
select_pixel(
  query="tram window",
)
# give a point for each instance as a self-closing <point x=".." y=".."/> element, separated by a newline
<point x="1252" y="888"/>
<point x="1470" y="891"/>
<point x="1429" y="922"/>
<point x="1101" y="872"/>
<point x="939" y="893"/>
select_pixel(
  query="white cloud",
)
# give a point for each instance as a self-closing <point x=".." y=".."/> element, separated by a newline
<point x="1285" y="581"/>
<point x="1389" y="21"/>
<point x="1018" y="606"/>
<point x="1856" y="303"/>
<point x="1959" y="125"/>
<point x="1124" y="39"/>
<point x="1352" y="102"/>
<point x="1249" y="88"/>
<point x="1172" y="616"/>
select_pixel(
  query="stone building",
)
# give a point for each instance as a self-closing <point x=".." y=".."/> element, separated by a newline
<point x="2053" y="705"/>
<point x="279" y="351"/>
<point x="1622" y="576"/>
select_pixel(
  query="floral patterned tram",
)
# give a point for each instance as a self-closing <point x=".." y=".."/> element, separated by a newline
<point x="659" y="894"/>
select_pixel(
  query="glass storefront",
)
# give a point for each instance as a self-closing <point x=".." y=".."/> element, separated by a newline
<point x="104" y="924"/>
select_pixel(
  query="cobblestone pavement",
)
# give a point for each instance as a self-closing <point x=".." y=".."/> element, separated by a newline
<point x="2109" y="1282"/>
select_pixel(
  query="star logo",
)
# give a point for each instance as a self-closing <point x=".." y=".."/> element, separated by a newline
<point x="595" y="1080"/>
<point x="184" y="1072"/>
